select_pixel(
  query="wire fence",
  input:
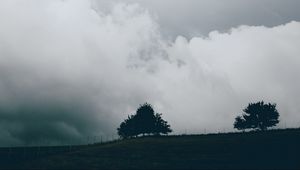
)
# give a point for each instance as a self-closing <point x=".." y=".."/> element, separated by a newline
<point x="102" y="139"/>
<point x="28" y="152"/>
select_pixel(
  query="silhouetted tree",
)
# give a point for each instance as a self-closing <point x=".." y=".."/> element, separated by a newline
<point x="257" y="116"/>
<point x="128" y="127"/>
<point x="240" y="123"/>
<point x="161" y="126"/>
<point x="145" y="121"/>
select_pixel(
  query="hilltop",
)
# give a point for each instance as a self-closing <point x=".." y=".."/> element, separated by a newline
<point x="275" y="149"/>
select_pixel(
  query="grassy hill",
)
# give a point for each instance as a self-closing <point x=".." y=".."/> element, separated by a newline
<point x="276" y="149"/>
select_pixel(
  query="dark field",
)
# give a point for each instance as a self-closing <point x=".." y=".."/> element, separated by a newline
<point x="276" y="149"/>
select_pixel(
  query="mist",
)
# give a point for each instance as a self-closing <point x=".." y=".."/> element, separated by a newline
<point x="69" y="70"/>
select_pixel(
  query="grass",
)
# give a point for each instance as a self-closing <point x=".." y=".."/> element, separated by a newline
<point x="275" y="149"/>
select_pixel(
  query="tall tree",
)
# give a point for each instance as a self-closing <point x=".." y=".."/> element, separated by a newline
<point x="257" y="116"/>
<point x="145" y="121"/>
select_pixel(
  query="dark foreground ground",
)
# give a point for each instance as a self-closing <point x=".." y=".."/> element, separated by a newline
<point x="276" y="149"/>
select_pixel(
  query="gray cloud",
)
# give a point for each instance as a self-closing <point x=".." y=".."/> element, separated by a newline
<point x="199" y="17"/>
<point x="67" y="72"/>
<point x="69" y="69"/>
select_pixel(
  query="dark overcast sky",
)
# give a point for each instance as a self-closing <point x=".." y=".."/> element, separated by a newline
<point x="76" y="68"/>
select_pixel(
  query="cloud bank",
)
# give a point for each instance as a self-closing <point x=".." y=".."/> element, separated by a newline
<point x="69" y="70"/>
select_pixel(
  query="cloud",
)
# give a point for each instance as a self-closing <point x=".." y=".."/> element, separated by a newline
<point x="199" y="17"/>
<point x="225" y="71"/>
<point x="69" y="70"/>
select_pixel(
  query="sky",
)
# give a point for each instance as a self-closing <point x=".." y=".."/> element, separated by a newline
<point x="73" y="69"/>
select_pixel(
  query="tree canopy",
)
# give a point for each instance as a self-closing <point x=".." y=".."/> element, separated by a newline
<point x="257" y="116"/>
<point x="144" y="121"/>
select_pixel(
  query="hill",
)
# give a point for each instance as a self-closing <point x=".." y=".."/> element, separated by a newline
<point x="275" y="149"/>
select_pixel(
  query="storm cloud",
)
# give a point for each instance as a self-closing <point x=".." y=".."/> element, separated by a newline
<point x="69" y="69"/>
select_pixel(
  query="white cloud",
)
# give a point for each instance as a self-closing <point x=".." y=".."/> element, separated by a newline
<point x="72" y="71"/>
<point x="225" y="71"/>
